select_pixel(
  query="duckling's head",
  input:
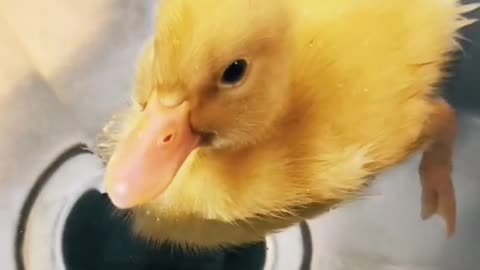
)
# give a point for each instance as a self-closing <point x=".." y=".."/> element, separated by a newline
<point x="208" y="93"/>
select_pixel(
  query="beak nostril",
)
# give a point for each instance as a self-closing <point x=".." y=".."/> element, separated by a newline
<point x="168" y="138"/>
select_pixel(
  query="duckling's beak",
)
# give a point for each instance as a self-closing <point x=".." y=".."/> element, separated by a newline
<point x="146" y="162"/>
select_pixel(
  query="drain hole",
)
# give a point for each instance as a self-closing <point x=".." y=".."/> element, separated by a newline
<point x="97" y="239"/>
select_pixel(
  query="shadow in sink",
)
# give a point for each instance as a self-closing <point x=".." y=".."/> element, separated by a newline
<point x="95" y="239"/>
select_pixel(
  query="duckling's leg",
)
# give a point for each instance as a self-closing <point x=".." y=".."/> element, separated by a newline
<point x="438" y="194"/>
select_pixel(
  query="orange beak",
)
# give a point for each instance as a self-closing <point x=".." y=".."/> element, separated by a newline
<point x="146" y="162"/>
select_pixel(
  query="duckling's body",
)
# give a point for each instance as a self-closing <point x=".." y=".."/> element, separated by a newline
<point x="337" y="91"/>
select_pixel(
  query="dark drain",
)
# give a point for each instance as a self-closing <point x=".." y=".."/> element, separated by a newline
<point x="96" y="239"/>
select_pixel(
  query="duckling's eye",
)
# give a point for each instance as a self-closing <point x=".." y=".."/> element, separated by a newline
<point x="234" y="73"/>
